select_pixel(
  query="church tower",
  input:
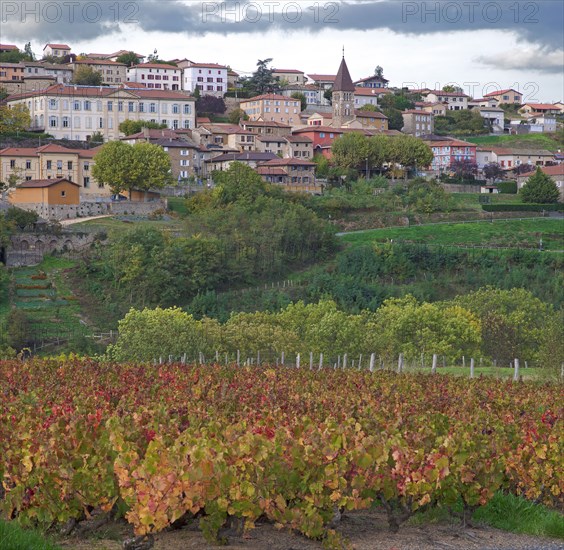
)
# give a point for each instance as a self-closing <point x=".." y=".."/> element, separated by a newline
<point x="343" y="96"/>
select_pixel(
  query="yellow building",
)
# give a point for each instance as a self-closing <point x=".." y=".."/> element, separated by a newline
<point x="52" y="162"/>
<point x="46" y="192"/>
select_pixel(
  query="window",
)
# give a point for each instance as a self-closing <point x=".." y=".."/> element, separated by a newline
<point x="86" y="182"/>
<point x="152" y="107"/>
<point x="187" y="109"/>
<point x="52" y="121"/>
<point x="130" y="106"/>
<point x="27" y="164"/>
<point x="186" y="124"/>
<point x="175" y="109"/>
<point x="69" y="165"/>
<point x="66" y="122"/>
<point x="183" y="152"/>
<point x="164" y="108"/>
<point x="321" y="134"/>
<point x="110" y="105"/>
<point x="12" y="163"/>
<point x="120" y="106"/>
<point x="63" y="193"/>
<point x="52" y="104"/>
<point x="49" y="164"/>
<point x="88" y="122"/>
<point x="141" y="107"/>
<point x="76" y="105"/>
<point x="101" y="123"/>
<point x="184" y="163"/>
<point x="87" y="105"/>
<point x="175" y="124"/>
<point x="86" y="166"/>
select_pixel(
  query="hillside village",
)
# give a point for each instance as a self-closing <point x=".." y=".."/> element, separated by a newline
<point x="281" y="131"/>
<point x="276" y="309"/>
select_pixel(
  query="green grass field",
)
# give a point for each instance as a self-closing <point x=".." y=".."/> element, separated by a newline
<point x="513" y="233"/>
<point x="531" y="141"/>
<point x="13" y="537"/>
<point x="469" y="201"/>
<point x="119" y="224"/>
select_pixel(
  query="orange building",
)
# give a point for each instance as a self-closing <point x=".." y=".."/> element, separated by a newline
<point x="46" y="192"/>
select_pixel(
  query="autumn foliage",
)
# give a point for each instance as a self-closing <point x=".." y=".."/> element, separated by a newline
<point x="293" y="446"/>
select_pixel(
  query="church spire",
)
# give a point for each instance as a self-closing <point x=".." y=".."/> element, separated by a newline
<point x="343" y="80"/>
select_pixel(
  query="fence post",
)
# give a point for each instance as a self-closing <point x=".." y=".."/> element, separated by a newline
<point x="320" y="361"/>
<point x="283" y="358"/>
<point x="183" y="359"/>
<point x="472" y="368"/>
<point x="463" y="361"/>
<point x="434" y="367"/>
<point x="516" y="373"/>
<point x="359" y="361"/>
<point x="311" y="360"/>
<point x="160" y="360"/>
<point x="298" y="361"/>
<point x="258" y="358"/>
<point x="400" y="363"/>
<point x="216" y="356"/>
<point x="226" y="361"/>
<point x="344" y="361"/>
<point x="338" y="361"/>
<point x="238" y="358"/>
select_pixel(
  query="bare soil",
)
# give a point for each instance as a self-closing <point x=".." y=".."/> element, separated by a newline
<point x="366" y="530"/>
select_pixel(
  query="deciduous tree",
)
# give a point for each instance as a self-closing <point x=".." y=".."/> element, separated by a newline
<point x="87" y="76"/>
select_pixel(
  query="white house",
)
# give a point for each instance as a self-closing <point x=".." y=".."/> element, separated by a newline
<point x="56" y="50"/>
<point x="456" y="101"/>
<point x="494" y="116"/>
<point x="368" y="96"/>
<point x="209" y="78"/>
<point x="159" y="76"/>
<point x="76" y="112"/>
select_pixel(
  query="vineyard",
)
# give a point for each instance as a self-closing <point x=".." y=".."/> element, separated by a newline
<point x="296" y="447"/>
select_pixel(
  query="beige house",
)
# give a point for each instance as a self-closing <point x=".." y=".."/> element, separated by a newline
<point x="418" y="123"/>
<point x="223" y="161"/>
<point x="53" y="162"/>
<point x="273" y="107"/>
<point x="291" y="76"/>
<point x="45" y="192"/>
<point x="76" y="112"/>
<point x="294" y="174"/>
<point x="506" y="96"/>
<point x="510" y="159"/>
<point x="539" y="109"/>
<point x="437" y="108"/>
<point x="263" y="127"/>
<point x="112" y="72"/>
<point x="295" y="146"/>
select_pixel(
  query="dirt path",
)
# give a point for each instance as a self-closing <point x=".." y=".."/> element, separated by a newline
<point x="80" y="220"/>
<point x="366" y="530"/>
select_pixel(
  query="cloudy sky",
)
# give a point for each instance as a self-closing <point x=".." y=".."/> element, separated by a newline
<point x="480" y="45"/>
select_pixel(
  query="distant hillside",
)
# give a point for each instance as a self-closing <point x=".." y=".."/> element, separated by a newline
<point x="552" y="142"/>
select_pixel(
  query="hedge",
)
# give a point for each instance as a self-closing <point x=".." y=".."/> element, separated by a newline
<point x="509" y="187"/>
<point x="557" y="207"/>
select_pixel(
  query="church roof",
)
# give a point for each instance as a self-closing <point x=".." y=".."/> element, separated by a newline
<point x="343" y="80"/>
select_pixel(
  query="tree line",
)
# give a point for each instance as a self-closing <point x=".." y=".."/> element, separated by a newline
<point x="489" y="323"/>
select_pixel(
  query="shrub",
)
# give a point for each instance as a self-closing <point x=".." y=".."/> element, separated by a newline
<point x="509" y="187"/>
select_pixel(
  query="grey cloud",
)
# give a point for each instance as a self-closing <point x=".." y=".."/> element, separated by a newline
<point x="536" y="60"/>
<point x="539" y="22"/>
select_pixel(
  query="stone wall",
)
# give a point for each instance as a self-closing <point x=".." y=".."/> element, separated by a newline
<point x="26" y="249"/>
<point x="87" y="209"/>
